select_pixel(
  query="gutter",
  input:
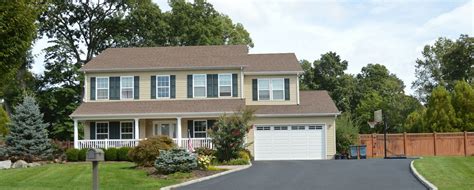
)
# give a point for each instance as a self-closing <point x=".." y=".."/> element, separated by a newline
<point x="163" y="68"/>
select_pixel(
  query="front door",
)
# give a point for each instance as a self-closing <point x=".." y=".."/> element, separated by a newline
<point x="167" y="128"/>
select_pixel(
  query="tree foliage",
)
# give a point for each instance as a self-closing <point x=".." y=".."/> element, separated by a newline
<point x="346" y="133"/>
<point x="4" y="120"/>
<point x="463" y="104"/>
<point x="440" y="115"/>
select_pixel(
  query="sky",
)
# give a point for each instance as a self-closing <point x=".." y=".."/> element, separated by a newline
<point x="388" y="32"/>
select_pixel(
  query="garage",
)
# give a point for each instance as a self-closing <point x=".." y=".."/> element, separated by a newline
<point x="289" y="142"/>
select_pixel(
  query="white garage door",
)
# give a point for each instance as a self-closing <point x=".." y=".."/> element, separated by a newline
<point x="289" y="142"/>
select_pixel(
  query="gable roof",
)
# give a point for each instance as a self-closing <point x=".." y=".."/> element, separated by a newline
<point x="188" y="57"/>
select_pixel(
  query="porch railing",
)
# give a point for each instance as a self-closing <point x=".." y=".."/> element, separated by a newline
<point x="195" y="142"/>
<point x="117" y="143"/>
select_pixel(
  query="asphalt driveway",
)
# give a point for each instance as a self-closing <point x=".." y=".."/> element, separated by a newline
<point x="324" y="174"/>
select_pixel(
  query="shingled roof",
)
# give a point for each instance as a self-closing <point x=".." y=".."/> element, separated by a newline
<point x="185" y="57"/>
<point x="312" y="102"/>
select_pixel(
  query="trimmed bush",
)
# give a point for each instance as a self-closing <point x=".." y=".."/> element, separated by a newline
<point x="244" y="155"/>
<point x="204" y="151"/>
<point x="111" y="154"/>
<point x="148" y="150"/>
<point x="236" y="162"/>
<point x="175" y="160"/>
<point x="122" y="154"/>
<point x="82" y="154"/>
<point x="72" y="155"/>
<point x="204" y="161"/>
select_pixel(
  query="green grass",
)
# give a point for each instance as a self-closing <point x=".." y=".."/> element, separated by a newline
<point x="113" y="175"/>
<point x="448" y="172"/>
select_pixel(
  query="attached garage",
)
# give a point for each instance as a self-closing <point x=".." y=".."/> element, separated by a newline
<point x="290" y="142"/>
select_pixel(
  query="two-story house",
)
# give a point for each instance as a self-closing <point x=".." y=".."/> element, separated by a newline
<point x="136" y="93"/>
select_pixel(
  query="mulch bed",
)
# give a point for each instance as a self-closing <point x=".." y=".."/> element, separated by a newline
<point x="151" y="171"/>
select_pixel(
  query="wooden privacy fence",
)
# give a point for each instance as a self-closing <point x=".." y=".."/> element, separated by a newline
<point x="420" y="144"/>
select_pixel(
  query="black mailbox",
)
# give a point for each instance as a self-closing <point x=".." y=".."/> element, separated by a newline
<point x="95" y="154"/>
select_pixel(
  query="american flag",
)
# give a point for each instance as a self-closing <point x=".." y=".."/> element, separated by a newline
<point x="190" y="142"/>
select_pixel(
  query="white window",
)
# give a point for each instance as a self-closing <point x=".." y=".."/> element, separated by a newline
<point x="199" y="86"/>
<point x="102" y="88"/>
<point x="126" y="86"/>
<point x="225" y="84"/>
<point x="101" y="130"/>
<point x="200" y="129"/>
<point x="163" y="86"/>
<point x="126" y="130"/>
<point x="271" y="89"/>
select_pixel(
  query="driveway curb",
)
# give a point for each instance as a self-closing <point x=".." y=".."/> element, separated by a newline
<point x="422" y="179"/>
<point x="205" y="178"/>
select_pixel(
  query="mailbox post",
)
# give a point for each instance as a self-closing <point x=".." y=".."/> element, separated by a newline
<point x="95" y="155"/>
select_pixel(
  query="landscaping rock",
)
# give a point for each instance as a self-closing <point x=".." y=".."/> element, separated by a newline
<point x="20" y="164"/>
<point x="7" y="164"/>
<point x="34" y="164"/>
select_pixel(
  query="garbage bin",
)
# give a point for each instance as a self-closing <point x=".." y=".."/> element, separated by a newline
<point x="363" y="151"/>
<point x="353" y="150"/>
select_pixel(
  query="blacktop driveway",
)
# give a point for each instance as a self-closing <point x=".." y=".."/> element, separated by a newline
<point x="324" y="174"/>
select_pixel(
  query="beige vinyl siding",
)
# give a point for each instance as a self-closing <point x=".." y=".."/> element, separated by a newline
<point x="328" y="121"/>
<point x="181" y="81"/>
<point x="248" y="90"/>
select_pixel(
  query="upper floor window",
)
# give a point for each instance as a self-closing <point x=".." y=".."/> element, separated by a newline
<point x="271" y="89"/>
<point x="102" y="84"/>
<point x="163" y="86"/>
<point x="225" y="84"/>
<point x="199" y="85"/>
<point x="126" y="86"/>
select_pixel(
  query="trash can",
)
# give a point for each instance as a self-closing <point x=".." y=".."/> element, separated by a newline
<point x="353" y="150"/>
<point x="363" y="151"/>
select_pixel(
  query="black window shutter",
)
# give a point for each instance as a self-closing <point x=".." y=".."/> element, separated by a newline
<point x="136" y="87"/>
<point x="210" y="86"/>
<point x="215" y="84"/>
<point x="92" y="88"/>
<point x="92" y="130"/>
<point x="254" y="90"/>
<point x="210" y="124"/>
<point x="190" y="86"/>
<point x="114" y="130"/>
<point x="172" y="86"/>
<point x="287" y="89"/>
<point x="235" y="88"/>
<point x="114" y="88"/>
<point x="153" y="87"/>
<point x="190" y="128"/>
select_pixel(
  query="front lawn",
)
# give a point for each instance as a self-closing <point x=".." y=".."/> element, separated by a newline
<point x="447" y="172"/>
<point x="113" y="175"/>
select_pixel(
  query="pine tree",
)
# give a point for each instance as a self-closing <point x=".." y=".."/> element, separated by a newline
<point x="3" y="122"/>
<point x="440" y="115"/>
<point x="28" y="137"/>
<point x="463" y="103"/>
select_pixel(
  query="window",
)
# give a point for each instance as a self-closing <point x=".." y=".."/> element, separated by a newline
<point x="225" y="84"/>
<point x="297" y="127"/>
<point x="101" y="130"/>
<point x="126" y="130"/>
<point x="102" y="88"/>
<point x="199" y="85"/>
<point x="126" y="86"/>
<point x="278" y="89"/>
<point x="163" y="86"/>
<point x="263" y="89"/>
<point x="200" y="129"/>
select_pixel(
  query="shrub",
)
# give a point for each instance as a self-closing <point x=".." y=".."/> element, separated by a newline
<point x="229" y="132"/>
<point x="122" y="154"/>
<point x="204" y="151"/>
<point x="72" y="155"/>
<point x="175" y="160"/>
<point x="204" y="161"/>
<point x="244" y="155"/>
<point x="236" y="162"/>
<point x="346" y="134"/>
<point x="82" y="154"/>
<point x="148" y="150"/>
<point x="110" y="154"/>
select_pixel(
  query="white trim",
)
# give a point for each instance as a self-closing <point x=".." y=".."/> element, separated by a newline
<point x="84" y="99"/>
<point x="108" y="129"/>
<point x="273" y="72"/>
<point x="169" y="87"/>
<point x="297" y="89"/>
<point x="165" y="68"/>
<point x="194" y="128"/>
<point x="270" y="88"/>
<point x="242" y="83"/>
<point x="205" y="85"/>
<point x="133" y="130"/>
<point x="76" y="134"/>
<point x="97" y="87"/>
<point x="219" y="84"/>
<point x="133" y="87"/>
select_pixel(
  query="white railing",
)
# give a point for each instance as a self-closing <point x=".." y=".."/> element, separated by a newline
<point x="195" y="142"/>
<point x="107" y="143"/>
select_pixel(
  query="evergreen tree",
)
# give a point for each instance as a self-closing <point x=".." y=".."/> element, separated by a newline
<point x="463" y="103"/>
<point x="28" y="137"/>
<point x="440" y="115"/>
<point x="3" y="122"/>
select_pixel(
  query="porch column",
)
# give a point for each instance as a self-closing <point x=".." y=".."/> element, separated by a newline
<point x="76" y="135"/>
<point x="137" y="132"/>
<point x="178" y="131"/>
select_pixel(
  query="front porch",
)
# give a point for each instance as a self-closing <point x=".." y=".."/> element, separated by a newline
<point x="116" y="133"/>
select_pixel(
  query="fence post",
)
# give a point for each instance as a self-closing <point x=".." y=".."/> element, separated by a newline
<point x="405" y="143"/>
<point x="465" y="143"/>
<point x="434" y="142"/>
<point x="106" y="144"/>
<point x="374" y="142"/>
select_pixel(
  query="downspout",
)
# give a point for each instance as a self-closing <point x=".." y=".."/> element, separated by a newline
<point x="84" y="98"/>
<point x="242" y="82"/>
<point x="298" y="89"/>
